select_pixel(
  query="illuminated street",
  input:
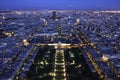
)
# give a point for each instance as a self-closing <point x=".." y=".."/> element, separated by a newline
<point x="60" y="70"/>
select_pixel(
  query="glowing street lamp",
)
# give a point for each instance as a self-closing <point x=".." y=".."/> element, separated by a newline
<point x="25" y="42"/>
<point x="104" y="58"/>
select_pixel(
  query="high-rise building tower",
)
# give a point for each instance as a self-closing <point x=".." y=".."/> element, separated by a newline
<point x="54" y="15"/>
<point x="59" y="30"/>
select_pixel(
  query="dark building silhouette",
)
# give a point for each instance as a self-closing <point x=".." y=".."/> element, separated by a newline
<point x="54" y="15"/>
<point x="59" y="30"/>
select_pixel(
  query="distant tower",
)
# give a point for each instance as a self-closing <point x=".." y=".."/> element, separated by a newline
<point x="59" y="30"/>
<point x="54" y="15"/>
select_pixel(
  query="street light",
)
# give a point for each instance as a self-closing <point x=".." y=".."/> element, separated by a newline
<point x="104" y="58"/>
<point x="25" y="42"/>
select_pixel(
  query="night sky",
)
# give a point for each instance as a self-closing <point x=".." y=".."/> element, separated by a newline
<point x="60" y="4"/>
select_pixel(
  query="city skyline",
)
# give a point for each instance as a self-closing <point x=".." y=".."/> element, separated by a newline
<point x="64" y="4"/>
<point x="59" y="40"/>
<point x="59" y="44"/>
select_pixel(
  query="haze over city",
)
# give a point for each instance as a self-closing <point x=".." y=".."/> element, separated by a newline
<point x="60" y="4"/>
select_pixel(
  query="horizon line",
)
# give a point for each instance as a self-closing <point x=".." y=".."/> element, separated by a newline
<point x="62" y="9"/>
